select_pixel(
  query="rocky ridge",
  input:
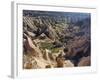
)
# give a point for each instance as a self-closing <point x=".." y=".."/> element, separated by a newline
<point x="51" y="42"/>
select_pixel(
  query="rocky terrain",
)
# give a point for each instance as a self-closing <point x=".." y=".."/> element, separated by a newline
<point x="56" y="39"/>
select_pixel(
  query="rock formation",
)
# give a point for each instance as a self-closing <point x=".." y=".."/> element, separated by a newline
<point x="56" y="39"/>
<point x="85" y="61"/>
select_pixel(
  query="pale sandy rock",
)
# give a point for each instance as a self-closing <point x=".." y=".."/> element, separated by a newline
<point x="68" y="63"/>
<point x="32" y="48"/>
<point x="31" y="34"/>
<point x="46" y="55"/>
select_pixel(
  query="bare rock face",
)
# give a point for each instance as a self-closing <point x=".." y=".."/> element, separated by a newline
<point x="31" y="62"/>
<point x="28" y="22"/>
<point x="52" y="57"/>
<point x="31" y="48"/>
<point x="33" y="59"/>
<point x="51" y="41"/>
<point x="68" y="63"/>
<point x="31" y="34"/>
<point x="85" y="61"/>
<point x="77" y="46"/>
<point x="60" y="62"/>
<point x="46" y="55"/>
<point x="28" y="65"/>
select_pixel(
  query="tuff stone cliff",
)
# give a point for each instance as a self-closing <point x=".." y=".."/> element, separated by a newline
<point x="52" y="40"/>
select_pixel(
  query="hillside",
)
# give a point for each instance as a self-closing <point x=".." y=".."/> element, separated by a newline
<point x="56" y="39"/>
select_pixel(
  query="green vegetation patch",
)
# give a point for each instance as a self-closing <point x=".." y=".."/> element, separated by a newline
<point x="50" y="46"/>
<point x="46" y="45"/>
<point x="55" y="50"/>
